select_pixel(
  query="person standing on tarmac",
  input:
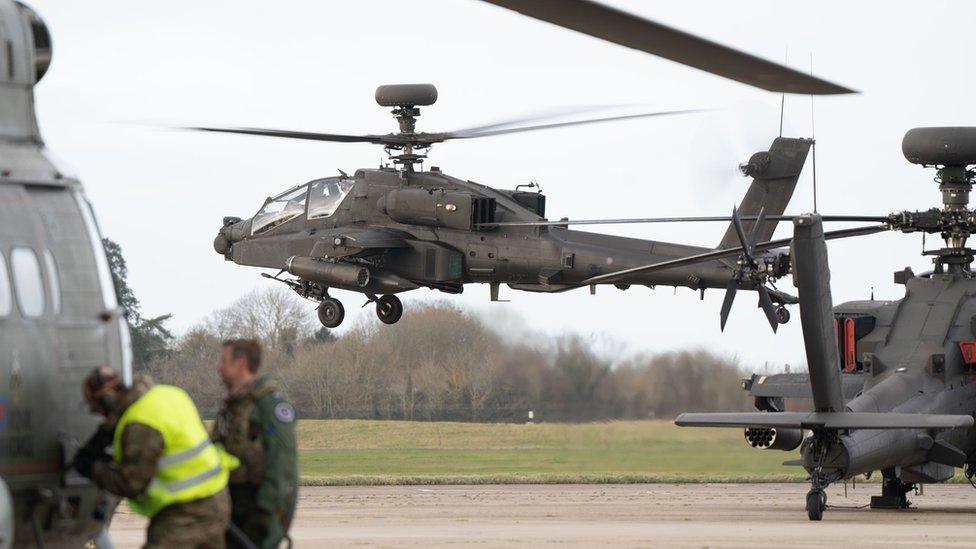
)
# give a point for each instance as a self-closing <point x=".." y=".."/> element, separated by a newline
<point x="257" y="425"/>
<point x="163" y="460"/>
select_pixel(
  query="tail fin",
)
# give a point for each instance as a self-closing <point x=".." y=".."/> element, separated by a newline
<point x="774" y="176"/>
<point x="811" y="274"/>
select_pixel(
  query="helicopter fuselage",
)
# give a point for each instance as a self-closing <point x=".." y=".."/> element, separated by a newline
<point x="423" y="228"/>
<point x="912" y="362"/>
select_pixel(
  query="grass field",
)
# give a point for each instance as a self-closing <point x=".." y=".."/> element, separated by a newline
<point x="401" y="452"/>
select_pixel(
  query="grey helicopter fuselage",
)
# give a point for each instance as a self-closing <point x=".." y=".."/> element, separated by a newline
<point x="527" y="258"/>
<point x="59" y="316"/>
<point x="385" y="231"/>
<point x="893" y="383"/>
<point x="911" y="362"/>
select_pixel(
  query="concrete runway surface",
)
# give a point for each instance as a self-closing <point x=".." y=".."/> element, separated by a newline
<point x="635" y="515"/>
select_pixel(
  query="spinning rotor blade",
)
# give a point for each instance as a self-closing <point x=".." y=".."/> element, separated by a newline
<point x="543" y="115"/>
<point x="425" y="139"/>
<point x="341" y="138"/>
<point x="727" y="252"/>
<point x="826" y="218"/>
<point x="468" y="134"/>
<point x="635" y="32"/>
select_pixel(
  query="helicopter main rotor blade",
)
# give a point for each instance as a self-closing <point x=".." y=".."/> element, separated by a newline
<point x="470" y="134"/>
<point x="288" y="134"/>
<point x="547" y="114"/>
<point x="636" y="220"/>
<point x="635" y="32"/>
<point x="423" y="139"/>
<point x="723" y="253"/>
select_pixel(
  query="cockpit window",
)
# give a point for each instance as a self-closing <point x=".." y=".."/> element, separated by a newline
<point x="27" y="281"/>
<point x="281" y="208"/>
<point x="326" y="195"/>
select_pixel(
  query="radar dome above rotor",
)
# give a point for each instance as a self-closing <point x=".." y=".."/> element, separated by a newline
<point x="406" y="95"/>
<point x="943" y="146"/>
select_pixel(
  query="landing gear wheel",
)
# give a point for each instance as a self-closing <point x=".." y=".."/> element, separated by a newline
<point x="816" y="503"/>
<point x="331" y="312"/>
<point x="782" y="315"/>
<point x="389" y="309"/>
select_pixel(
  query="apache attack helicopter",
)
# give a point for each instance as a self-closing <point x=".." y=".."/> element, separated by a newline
<point x="59" y="315"/>
<point x="394" y="229"/>
<point x="893" y="383"/>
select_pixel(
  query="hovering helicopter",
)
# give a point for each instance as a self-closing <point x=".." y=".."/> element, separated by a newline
<point x="59" y="316"/>
<point x="394" y="229"/>
<point x="893" y="383"/>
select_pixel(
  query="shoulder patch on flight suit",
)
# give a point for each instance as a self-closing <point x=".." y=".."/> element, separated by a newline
<point x="284" y="412"/>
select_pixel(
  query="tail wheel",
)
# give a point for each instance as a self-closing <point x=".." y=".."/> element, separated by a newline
<point x="816" y="503"/>
<point x="389" y="309"/>
<point x="331" y="312"/>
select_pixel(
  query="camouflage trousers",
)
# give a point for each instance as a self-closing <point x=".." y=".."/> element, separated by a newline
<point x="264" y="529"/>
<point x="198" y="524"/>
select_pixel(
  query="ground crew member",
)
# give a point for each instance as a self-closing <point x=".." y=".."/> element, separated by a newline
<point x="257" y="425"/>
<point x="163" y="460"/>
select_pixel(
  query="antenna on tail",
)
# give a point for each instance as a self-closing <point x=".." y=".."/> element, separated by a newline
<point x="813" y="146"/>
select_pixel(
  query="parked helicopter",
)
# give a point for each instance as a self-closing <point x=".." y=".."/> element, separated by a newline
<point x="893" y="383"/>
<point x="394" y="229"/>
<point x="59" y="316"/>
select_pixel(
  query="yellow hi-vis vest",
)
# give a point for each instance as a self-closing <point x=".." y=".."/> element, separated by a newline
<point x="191" y="467"/>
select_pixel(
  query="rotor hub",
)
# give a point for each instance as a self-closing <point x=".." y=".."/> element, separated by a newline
<point x="951" y="151"/>
<point x="405" y="98"/>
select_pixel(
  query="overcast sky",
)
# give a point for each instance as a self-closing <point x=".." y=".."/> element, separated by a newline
<point x="314" y="65"/>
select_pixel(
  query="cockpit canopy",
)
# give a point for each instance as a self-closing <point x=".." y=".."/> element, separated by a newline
<point x="319" y="198"/>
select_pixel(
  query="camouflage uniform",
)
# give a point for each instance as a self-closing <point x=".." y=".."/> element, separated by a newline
<point x="195" y="524"/>
<point x="257" y="425"/>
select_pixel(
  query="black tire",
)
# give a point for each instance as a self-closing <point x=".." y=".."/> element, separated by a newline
<point x="782" y="315"/>
<point x="389" y="309"/>
<point x="816" y="503"/>
<point x="331" y="312"/>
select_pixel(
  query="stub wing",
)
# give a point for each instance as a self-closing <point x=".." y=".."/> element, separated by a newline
<point x="798" y="385"/>
<point x="826" y="420"/>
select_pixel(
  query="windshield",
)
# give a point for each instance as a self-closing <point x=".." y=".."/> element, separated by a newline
<point x="326" y="195"/>
<point x="281" y="208"/>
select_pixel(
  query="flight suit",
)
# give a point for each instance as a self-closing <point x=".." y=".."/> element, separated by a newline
<point x="257" y="425"/>
<point x="199" y="523"/>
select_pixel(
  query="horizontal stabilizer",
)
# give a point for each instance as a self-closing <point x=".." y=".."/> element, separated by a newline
<point x="826" y="420"/>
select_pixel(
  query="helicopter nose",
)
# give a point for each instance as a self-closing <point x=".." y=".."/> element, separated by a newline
<point x="229" y="233"/>
<point x="221" y="244"/>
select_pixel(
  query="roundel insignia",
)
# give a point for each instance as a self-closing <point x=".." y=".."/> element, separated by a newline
<point x="284" y="412"/>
